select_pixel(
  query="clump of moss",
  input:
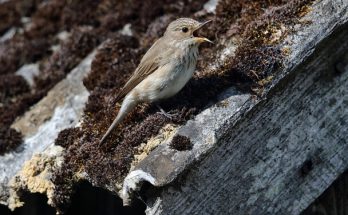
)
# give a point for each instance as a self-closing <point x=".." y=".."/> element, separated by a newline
<point x="12" y="11"/>
<point x="257" y="27"/>
<point x="10" y="139"/>
<point x="10" y="86"/>
<point x="14" y="87"/>
<point x="181" y="143"/>
<point x="34" y="45"/>
<point x="16" y="96"/>
<point x="114" y="62"/>
<point x="67" y="137"/>
<point x="81" y="43"/>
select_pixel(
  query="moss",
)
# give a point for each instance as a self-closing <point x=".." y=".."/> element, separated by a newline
<point x="12" y="11"/>
<point x="19" y="50"/>
<point x="31" y="46"/>
<point x="67" y="137"/>
<point x="258" y="27"/>
<point x="34" y="44"/>
<point x="15" y="98"/>
<point x="10" y="139"/>
<point x="10" y="86"/>
<point x="81" y="43"/>
<point x="113" y="63"/>
<point x="181" y="143"/>
<point x="255" y="24"/>
<point x="111" y="68"/>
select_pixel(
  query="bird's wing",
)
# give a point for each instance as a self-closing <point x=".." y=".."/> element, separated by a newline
<point x="148" y="64"/>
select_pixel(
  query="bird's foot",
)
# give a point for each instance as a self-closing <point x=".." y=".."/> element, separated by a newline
<point x="168" y="115"/>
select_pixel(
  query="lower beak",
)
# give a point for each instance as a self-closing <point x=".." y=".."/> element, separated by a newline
<point x="202" y="40"/>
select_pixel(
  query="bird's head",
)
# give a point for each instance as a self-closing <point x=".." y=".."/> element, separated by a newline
<point x="186" y="29"/>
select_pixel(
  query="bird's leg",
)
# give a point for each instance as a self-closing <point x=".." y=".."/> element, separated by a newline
<point x="168" y="115"/>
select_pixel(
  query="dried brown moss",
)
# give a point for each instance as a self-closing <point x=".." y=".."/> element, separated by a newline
<point x="34" y="44"/>
<point x="15" y="93"/>
<point x="10" y="139"/>
<point x="20" y="50"/>
<point x="112" y="66"/>
<point x="181" y="143"/>
<point x="11" y="107"/>
<point x="257" y="27"/>
<point x="251" y="23"/>
<point x="12" y="11"/>
<point x="50" y="18"/>
<point x="80" y="44"/>
<point x="10" y="86"/>
<point x="31" y="45"/>
<point x="257" y="58"/>
<point x="67" y="137"/>
<point x="113" y="63"/>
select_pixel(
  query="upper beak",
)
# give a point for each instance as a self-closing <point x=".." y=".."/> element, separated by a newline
<point x="202" y="24"/>
<point x="202" y="39"/>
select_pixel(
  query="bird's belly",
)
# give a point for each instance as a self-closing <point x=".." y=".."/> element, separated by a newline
<point x="164" y="83"/>
<point x="176" y="83"/>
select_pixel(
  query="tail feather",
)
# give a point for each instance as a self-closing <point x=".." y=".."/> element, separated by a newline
<point x="128" y="104"/>
<point x="111" y="128"/>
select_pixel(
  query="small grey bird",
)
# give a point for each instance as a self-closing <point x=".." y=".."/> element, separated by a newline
<point x="164" y="70"/>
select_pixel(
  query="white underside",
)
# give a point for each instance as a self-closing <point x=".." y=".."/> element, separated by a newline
<point x="167" y="81"/>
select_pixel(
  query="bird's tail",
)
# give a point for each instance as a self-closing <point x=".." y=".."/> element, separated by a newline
<point x="127" y="105"/>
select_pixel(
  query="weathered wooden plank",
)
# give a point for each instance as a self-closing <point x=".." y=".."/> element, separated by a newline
<point x="283" y="154"/>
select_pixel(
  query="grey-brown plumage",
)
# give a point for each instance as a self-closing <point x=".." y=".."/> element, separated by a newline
<point x="164" y="70"/>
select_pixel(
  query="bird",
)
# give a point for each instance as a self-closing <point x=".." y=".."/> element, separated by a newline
<point x="164" y="69"/>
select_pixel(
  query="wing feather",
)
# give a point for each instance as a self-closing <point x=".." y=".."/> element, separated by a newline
<point x="150" y="62"/>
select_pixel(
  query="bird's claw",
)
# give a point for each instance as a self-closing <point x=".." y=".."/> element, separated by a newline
<point x="168" y="115"/>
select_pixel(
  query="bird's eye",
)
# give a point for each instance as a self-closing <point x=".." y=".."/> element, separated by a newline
<point x="184" y="29"/>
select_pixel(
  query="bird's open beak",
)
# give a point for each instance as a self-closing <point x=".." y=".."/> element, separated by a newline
<point x="201" y="39"/>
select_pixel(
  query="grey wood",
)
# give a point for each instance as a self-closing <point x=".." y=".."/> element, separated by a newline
<point x="283" y="154"/>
